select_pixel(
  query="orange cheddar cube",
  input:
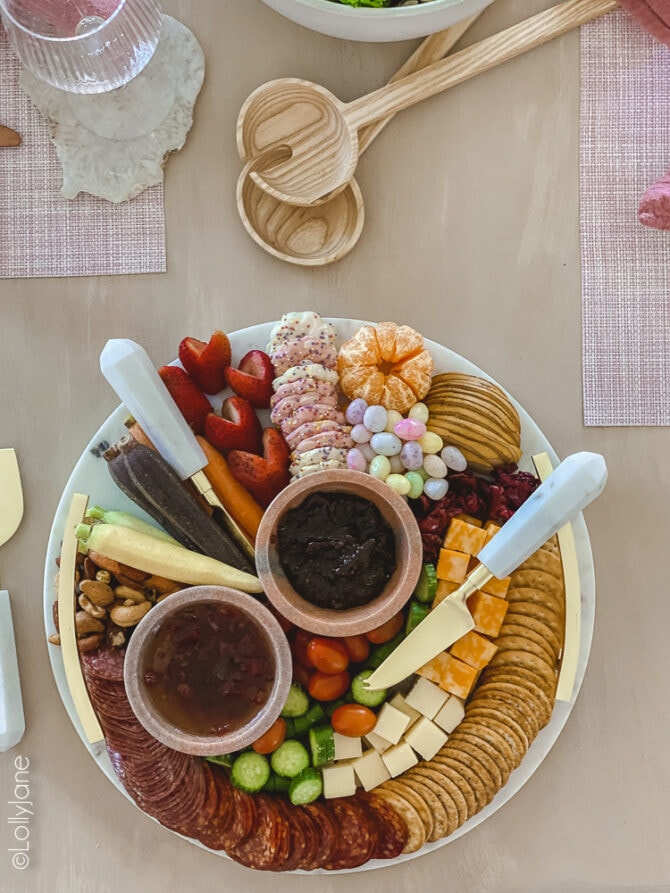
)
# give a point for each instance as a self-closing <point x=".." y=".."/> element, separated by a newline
<point x="452" y="566"/>
<point x="444" y="588"/>
<point x="491" y="530"/>
<point x="470" y="519"/>
<point x="450" y="673"/>
<point x="488" y="612"/>
<point x="474" y="650"/>
<point x="464" y="537"/>
<point x="497" y="587"/>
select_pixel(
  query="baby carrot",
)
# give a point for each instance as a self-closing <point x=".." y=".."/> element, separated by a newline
<point x="237" y="500"/>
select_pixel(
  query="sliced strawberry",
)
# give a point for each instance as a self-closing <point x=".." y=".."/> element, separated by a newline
<point x="206" y="361"/>
<point x="237" y="428"/>
<point x="192" y="403"/>
<point x="253" y="378"/>
<point x="264" y="476"/>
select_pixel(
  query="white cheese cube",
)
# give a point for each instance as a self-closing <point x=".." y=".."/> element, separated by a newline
<point x="391" y="723"/>
<point x="374" y="740"/>
<point x="370" y="769"/>
<point x="338" y="780"/>
<point x="346" y="747"/>
<point x="399" y="758"/>
<point x="401" y="704"/>
<point x="450" y="715"/>
<point x="425" y="738"/>
<point x="426" y="697"/>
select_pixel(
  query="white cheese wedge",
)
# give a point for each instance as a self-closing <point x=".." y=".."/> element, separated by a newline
<point x="399" y="702"/>
<point x="346" y="747"/>
<point x="370" y="769"/>
<point x="374" y="740"/>
<point x="426" y="697"/>
<point x="425" y="738"/>
<point x="450" y="715"/>
<point x="399" y="758"/>
<point x="338" y="780"/>
<point x="391" y="723"/>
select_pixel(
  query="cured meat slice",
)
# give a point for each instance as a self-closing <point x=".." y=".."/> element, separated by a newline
<point x="356" y="833"/>
<point x="268" y="847"/>
<point x="392" y="830"/>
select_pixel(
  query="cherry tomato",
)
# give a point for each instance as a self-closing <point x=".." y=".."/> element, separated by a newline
<point x="358" y="648"/>
<point x="301" y="674"/>
<point x="353" y="720"/>
<point x="328" y="686"/>
<point x="386" y="631"/>
<point x="327" y="655"/>
<point x="299" y="643"/>
<point x="271" y="740"/>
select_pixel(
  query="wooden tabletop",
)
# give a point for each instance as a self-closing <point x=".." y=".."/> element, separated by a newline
<point x="472" y="237"/>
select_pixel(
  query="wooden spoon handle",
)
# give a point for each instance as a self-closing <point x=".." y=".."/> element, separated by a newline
<point x="480" y="57"/>
<point x="8" y="137"/>
<point x="432" y="49"/>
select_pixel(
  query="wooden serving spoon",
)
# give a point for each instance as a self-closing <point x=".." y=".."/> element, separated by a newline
<point x="321" y="132"/>
<point x="8" y="137"/>
<point x="327" y="230"/>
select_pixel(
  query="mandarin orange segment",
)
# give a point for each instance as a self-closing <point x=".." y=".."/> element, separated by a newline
<point x="397" y="394"/>
<point x="386" y="332"/>
<point x="362" y="381"/>
<point x="417" y="372"/>
<point x="407" y="342"/>
<point x="362" y="348"/>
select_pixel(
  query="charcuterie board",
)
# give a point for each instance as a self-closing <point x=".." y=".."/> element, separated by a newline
<point x="90" y="476"/>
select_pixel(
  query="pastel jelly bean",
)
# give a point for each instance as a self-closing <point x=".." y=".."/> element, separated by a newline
<point x="419" y="411"/>
<point x="453" y="458"/>
<point x="431" y="442"/>
<point x="360" y="434"/>
<point x="367" y="451"/>
<point x="356" y="461"/>
<point x="380" y="467"/>
<point x="356" y="411"/>
<point x="411" y="456"/>
<point x="392" y="419"/>
<point x="396" y="464"/>
<point x="415" y="484"/>
<point x="410" y="429"/>
<point x="435" y="488"/>
<point x="399" y="483"/>
<point x="435" y="466"/>
<point x="374" y="418"/>
<point x="386" y="444"/>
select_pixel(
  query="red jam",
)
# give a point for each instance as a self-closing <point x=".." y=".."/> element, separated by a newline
<point x="209" y="669"/>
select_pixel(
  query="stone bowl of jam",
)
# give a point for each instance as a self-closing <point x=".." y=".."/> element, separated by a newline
<point x="338" y="552"/>
<point x="207" y="670"/>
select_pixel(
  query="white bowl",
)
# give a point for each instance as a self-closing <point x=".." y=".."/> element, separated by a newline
<point x="377" y="25"/>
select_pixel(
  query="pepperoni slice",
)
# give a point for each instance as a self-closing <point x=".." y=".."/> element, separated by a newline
<point x="392" y="829"/>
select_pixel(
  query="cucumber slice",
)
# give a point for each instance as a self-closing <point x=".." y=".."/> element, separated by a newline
<point x="226" y="759"/>
<point x="322" y="745"/>
<point x="306" y="787"/>
<point x="250" y="771"/>
<point x="290" y="759"/>
<point x="299" y="726"/>
<point x="417" y="612"/>
<point x="426" y="587"/>
<point x="362" y="695"/>
<point x="297" y="702"/>
<point x="276" y="784"/>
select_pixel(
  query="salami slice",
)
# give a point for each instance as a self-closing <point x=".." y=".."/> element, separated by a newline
<point x="392" y="829"/>
<point x="356" y="836"/>
<point x="267" y="846"/>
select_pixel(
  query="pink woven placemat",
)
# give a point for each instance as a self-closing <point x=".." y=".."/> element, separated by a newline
<point x="625" y="146"/>
<point x="44" y="234"/>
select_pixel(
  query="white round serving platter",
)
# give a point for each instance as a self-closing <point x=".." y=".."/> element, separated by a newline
<point x="91" y="478"/>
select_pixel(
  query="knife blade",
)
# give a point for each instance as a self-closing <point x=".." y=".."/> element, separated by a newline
<point x="576" y="482"/>
<point x="129" y="370"/>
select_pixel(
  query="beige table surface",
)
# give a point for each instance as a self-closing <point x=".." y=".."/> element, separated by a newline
<point x="471" y="237"/>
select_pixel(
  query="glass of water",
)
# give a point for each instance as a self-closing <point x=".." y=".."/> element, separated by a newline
<point x="83" y="46"/>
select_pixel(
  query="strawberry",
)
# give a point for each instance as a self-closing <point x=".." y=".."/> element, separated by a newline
<point x="206" y="362"/>
<point x="253" y="378"/>
<point x="237" y="428"/>
<point x="192" y="403"/>
<point x="263" y="476"/>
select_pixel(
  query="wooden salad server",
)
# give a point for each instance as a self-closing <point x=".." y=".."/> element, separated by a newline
<point x="321" y="132"/>
<point x="575" y="483"/>
<point x="8" y="138"/>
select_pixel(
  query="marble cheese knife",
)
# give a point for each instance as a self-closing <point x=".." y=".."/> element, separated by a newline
<point x="12" y="721"/>
<point x="561" y="497"/>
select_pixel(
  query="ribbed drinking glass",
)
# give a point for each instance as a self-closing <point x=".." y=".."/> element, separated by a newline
<point x="83" y="46"/>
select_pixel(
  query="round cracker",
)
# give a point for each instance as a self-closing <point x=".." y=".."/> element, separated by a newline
<point x="536" y="596"/>
<point x="532" y="683"/>
<point x="416" y="831"/>
<point x="499" y="742"/>
<point x="519" y="618"/>
<point x="454" y="796"/>
<point x="443" y="810"/>
<point x="544" y="560"/>
<point x="419" y="804"/>
<point x="513" y="705"/>
<point x="538" y="612"/>
<point x="487" y="783"/>
<point x="445" y="777"/>
<point x="538" y="579"/>
<point x="522" y="643"/>
<point x="530" y="634"/>
<point x="463" y="770"/>
<point x="526" y="700"/>
<point x="492" y="714"/>
<point x="536" y="664"/>
<point x="493" y="759"/>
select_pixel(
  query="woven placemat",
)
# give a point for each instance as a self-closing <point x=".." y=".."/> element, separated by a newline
<point x="44" y="234"/>
<point x="624" y="147"/>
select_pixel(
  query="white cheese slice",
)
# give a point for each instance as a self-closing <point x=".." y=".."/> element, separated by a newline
<point x="370" y="769"/>
<point x="399" y="758"/>
<point x="374" y="740"/>
<point x="346" y="747"/>
<point x="426" y="697"/>
<point x="338" y="780"/>
<point x="401" y="704"/>
<point x="425" y="738"/>
<point x="391" y="723"/>
<point x="450" y="715"/>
